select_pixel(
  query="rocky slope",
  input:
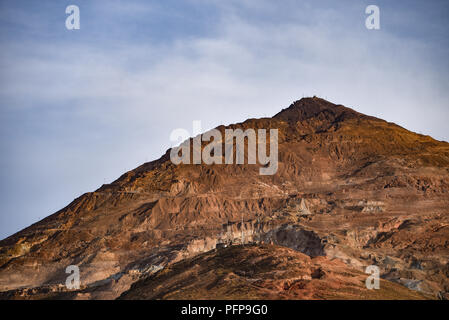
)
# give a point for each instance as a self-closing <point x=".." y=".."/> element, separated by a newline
<point x="349" y="187"/>
<point x="262" y="272"/>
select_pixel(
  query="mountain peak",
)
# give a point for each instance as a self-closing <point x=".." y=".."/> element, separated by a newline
<point x="312" y="107"/>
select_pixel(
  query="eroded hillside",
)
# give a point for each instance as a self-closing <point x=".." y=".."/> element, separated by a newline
<point x="348" y="187"/>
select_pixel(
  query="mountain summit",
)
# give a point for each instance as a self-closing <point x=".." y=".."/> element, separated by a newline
<point x="349" y="187"/>
<point x="307" y="108"/>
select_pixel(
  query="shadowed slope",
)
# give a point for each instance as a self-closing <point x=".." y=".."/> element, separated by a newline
<point x="262" y="272"/>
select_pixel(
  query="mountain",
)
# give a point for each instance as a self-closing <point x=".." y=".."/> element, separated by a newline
<point x="348" y="187"/>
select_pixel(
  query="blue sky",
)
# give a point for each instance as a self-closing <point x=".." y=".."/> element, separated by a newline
<point x="78" y="108"/>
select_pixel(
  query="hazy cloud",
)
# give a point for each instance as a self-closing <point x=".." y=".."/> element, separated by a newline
<point x="78" y="109"/>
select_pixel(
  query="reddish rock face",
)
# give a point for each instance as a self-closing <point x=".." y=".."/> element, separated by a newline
<point x="262" y="272"/>
<point x="348" y="186"/>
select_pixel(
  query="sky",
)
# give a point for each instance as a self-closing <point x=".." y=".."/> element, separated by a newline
<point x="78" y="108"/>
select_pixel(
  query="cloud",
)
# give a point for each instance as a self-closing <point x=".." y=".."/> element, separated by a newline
<point x="78" y="109"/>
